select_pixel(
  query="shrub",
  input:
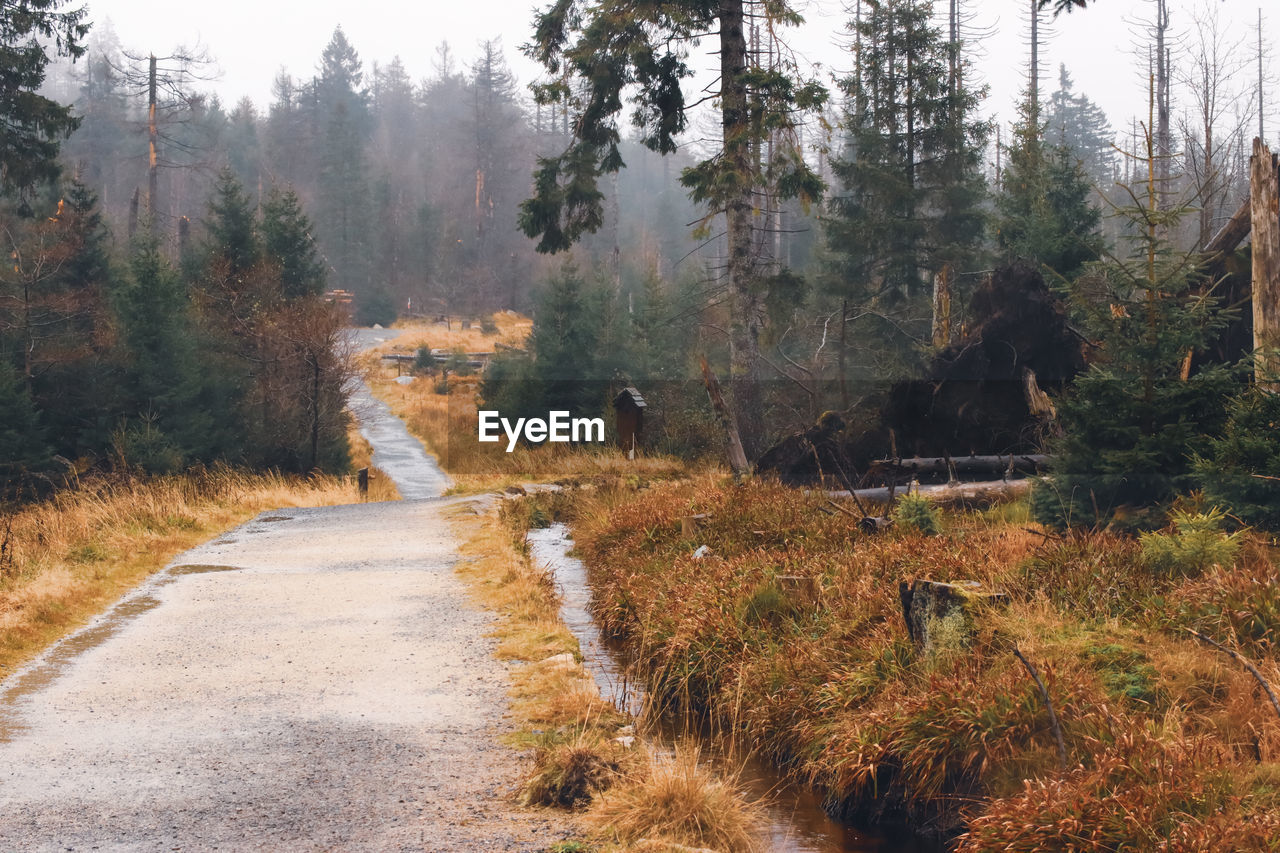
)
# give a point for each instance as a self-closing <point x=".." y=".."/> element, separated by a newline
<point x="424" y="361"/>
<point x="1247" y="448"/>
<point x="1196" y="543"/>
<point x="917" y="514"/>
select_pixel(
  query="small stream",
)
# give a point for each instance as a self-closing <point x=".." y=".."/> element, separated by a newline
<point x="796" y="821"/>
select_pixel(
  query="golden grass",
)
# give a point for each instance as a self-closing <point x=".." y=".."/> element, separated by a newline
<point x="512" y="330"/>
<point x="446" y="425"/>
<point x="675" y="800"/>
<point x="571" y="728"/>
<point x="69" y="556"/>
<point x="832" y="684"/>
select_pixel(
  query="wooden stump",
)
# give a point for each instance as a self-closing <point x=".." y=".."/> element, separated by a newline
<point x="944" y="616"/>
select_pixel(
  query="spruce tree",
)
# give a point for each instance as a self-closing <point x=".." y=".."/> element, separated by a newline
<point x="1133" y="422"/>
<point x="287" y="242"/>
<point x="232" y="230"/>
<point x="911" y="184"/>
<point x="1044" y="214"/>
<point x="22" y="447"/>
<point x="1080" y="126"/>
<point x="33" y="125"/>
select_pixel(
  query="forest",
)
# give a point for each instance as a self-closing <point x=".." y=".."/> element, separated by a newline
<point x="834" y="294"/>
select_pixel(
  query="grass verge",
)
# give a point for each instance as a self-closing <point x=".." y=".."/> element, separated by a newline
<point x="64" y="559"/>
<point x="586" y="756"/>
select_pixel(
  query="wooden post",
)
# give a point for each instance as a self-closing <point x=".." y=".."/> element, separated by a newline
<point x="362" y="480"/>
<point x="1264" y="195"/>
<point x="737" y="458"/>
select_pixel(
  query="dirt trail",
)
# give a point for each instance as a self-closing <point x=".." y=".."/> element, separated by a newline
<point x="313" y="680"/>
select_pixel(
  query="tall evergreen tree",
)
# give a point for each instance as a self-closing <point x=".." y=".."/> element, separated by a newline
<point x="1044" y="209"/>
<point x="1134" y="421"/>
<point x="1077" y="124"/>
<point x="911" y="185"/>
<point x="343" y="179"/>
<point x="594" y="53"/>
<point x="33" y="124"/>
<point x="287" y="241"/>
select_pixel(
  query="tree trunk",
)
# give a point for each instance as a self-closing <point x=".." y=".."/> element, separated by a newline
<point x="153" y="134"/>
<point x="1264" y="194"/>
<point x="942" y="308"/>
<point x="737" y="459"/>
<point x="747" y="303"/>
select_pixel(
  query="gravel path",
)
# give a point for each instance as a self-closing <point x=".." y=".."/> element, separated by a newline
<point x="315" y="679"/>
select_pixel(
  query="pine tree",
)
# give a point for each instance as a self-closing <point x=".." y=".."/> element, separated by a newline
<point x="33" y="124"/>
<point x="1080" y="126"/>
<point x="286" y="241"/>
<point x="22" y="447"/>
<point x="232" y="230"/>
<point x="343" y="181"/>
<point x="1044" y="214"/>
<point x="1135" y="419"/>
<point x="909" y="174"/>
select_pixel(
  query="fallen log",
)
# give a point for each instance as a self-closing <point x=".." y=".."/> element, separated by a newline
<point x="988" y="491"/>
<point x="996" y="463"/>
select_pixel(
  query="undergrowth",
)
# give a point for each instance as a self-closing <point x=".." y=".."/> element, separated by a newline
<point x="1164" y="735"/>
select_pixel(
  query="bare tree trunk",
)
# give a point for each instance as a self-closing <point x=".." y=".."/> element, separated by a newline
<point x="153" y="134"/>
<point x="1264" y="187"/>
<point x="746" y="300"/>
<point x="737" y="459"/>
<point x="942" y="307"/>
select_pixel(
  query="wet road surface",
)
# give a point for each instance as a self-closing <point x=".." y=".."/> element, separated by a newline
<point x="312" y="680"/>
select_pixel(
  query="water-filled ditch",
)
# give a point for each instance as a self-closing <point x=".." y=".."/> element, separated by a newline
<point x="796" y="821"/>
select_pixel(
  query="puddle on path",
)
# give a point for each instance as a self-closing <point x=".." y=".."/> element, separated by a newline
<point x="48" y="668"/>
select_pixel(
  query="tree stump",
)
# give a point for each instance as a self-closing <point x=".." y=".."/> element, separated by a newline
<point x="943" y="616"/>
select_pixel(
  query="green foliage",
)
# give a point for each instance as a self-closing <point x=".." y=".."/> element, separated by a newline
<point x="33" y="124"/>
<point x="459" y="363"/>
<point x="767" y="606"/>
<point x="917" y="514"/>
<point x="911" y="165"/>
<point x="375" y="307"/>
<point x="1239" y="469"/>
<point x="22" y="446"/>
<point x="1044" y="210"/>
<point x="231" y="226"/>
<point x="1132" y="422"/>
<point x="1126" y="674"/>
<point x="424" y="361"/>
<point x="1196" y="543"/>
<point x="287" y="241"/>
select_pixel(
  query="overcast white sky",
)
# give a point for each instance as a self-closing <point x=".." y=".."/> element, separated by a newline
<point x="253" y="39"/>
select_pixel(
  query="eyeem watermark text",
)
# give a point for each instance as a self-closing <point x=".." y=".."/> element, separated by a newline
<point x="558" y="427"/>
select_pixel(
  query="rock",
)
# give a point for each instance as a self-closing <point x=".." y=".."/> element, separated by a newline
<point x="564" y="661"/>
<point x="703" y="551"/>
<point x="627" y="741"/>
<point x="403" y="380"/>
<point x="943" y="616"/>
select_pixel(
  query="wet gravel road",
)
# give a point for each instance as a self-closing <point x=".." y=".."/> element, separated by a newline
<point x="315" y="679"/>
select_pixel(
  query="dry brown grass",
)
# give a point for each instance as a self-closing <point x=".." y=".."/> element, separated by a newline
<point x="512" y="330"/>
<point x="446" y="424"/>
<point x="676" y="800"/>
<point x="68" y="557"/>
<point x="834" y="687"/>
<point x="570" y="727"/>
